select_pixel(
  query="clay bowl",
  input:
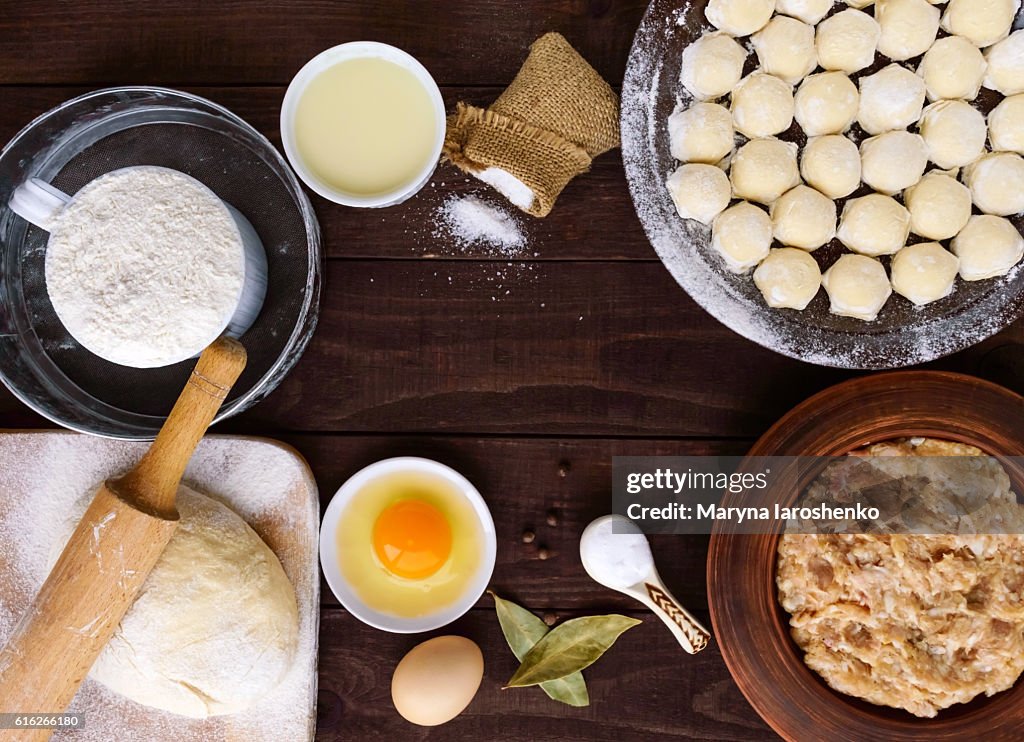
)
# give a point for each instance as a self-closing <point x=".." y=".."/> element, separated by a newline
<point x="751" y="627"/>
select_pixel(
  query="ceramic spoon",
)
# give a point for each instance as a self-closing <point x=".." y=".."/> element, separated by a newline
<point x="649" y="590"/>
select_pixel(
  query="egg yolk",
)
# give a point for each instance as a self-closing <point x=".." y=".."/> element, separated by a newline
<point x="412" y="539"/>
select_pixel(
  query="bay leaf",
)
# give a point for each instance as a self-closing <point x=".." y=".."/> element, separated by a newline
<point x="522" y="631"/>
<point x="570" y="647"/>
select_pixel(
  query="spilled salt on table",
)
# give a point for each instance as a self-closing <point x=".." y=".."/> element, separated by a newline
<point x="473" y="221"/>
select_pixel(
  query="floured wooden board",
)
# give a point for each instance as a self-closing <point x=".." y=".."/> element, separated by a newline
<point x="267" y="483"/>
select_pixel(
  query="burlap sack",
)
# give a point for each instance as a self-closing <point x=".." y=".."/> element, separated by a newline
<point x="555" y="117"/>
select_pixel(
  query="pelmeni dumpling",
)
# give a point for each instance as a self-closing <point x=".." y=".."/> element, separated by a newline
<point x="803" y="218"/>
<point x="712" y="65"/>
<point x="924" y="272"/>
<point x="890" y="99"/>
<point x="996" y="181"/>
<point x="860" y="3"/>
<point x="1006" y="125"/>
<point x="953" y="69"/>
<point x="826" y="103"/>
<point x="908" y="27"/>
<point x="954" y="133"/>
<point x="939" y="206"/>
<point x="808" y="11"/>
<point x="764" y="169"/>
<point x="874" y="225"/>
<point x="701" y="133"/>
<point x="847" y="41"/>
<point x="762" y="105"/>
<point x="831" y="164"/>
<point x="857" y="286"/>
<point x="893" y="161"/>
<point x="785" y="48"/>
<point x="982" y="22"/>
<point x="1006" y="65"/>
<point x="788" y="278"/>
<point x="739" y="17"/>
<point x="742" y="235"/>
<point x="988" y="246"/>
<point x="699" y="191"/>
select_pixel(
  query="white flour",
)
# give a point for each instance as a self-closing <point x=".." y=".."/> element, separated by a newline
<point x="145" y="267"/>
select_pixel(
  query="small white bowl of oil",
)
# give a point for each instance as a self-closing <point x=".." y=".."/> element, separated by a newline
<point x="407" y="545"/>
<point x="363" y="124"/>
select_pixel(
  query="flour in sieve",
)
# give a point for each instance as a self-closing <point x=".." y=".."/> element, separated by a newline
<point x="145" y="266"/>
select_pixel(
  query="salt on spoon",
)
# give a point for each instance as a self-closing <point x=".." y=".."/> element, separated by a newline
<point x="616" y="554"/>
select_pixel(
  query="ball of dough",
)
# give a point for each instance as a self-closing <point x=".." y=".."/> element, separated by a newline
<point x="785" y="48"/>
<point x="742" y="235"/>
<point x="215" y="627"/>
<point x="890" y="99"/>
<point x="908" y="27"/>
<point x="857" y="286"/>
<point x="712" y="66"/>
<point x="762" y="105"/>
<point x="764" y="169"/>
<point x="924" y="272"/>
<point x="739" y="17"/>
<point x="996" y="181"/>
<point x="939" y="206"/>
<point x="953" y="68"/>
<point x="860" y="3"/>
<point x="847" y="41"/>
<point x="803" y="218"/>
<point x="1006" y="125"/>
<point x="788" y="278"/>
<point x="701" y="133"/>
<point x="954" y="133"/>
<point x="874" y="225"/>
<point x="893" y="161"/>
<point x="826" y="103"/>
<point x="831" y="164"/>
<point x="808" y="11"/>
<point x="988" y="246"/>
<point x="699" y="191"/>
<point x="1006" y="65"/>
<point x="982" y="22"/>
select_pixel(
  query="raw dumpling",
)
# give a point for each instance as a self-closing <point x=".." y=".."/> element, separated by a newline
<point x="893" y="161"/>
<point x="699" y="192"/>
<point x="742" y="235"/>
<point x="831" y="164"/>
<point x="954" y="132"/>
<point x="857" y="286"/>
<point x="701" y="133"/>
<point x="1006" y="125"/>
<point x="804" y="218"/>
<point x="785" y="48"/>
<point x="808" y="11"/>
<point x="924" y="272"/>
<point x="908" y="27"/>
<point x="859" y="3"/>
<point x="788" y="278"/>
<point x="997" y="183"/>
<point x="762" y="105"/>
<point x="989" y="246"/>
<point x="939" y="206"/>
<point x="712" y="66"/>
<point x="739" y="17"/>
<point x="982" y="22"/>
<point x="874" y="225"/>
<point x="847" y="41"/>
<point x="1006" y="65"/>
<point x="952" y="69"/>
<point x="826" y="103"/>
<point x="890" y="99"/>
<point x="764" y="169"/>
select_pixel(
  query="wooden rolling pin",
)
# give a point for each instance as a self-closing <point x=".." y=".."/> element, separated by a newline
<point x="109" y="556"/>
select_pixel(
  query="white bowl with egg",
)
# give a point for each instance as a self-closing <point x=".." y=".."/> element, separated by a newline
<point x="432" y="512"/>
<point x="363" y="124"/>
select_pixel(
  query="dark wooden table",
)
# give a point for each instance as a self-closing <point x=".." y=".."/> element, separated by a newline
<point x="587" y="351"/>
